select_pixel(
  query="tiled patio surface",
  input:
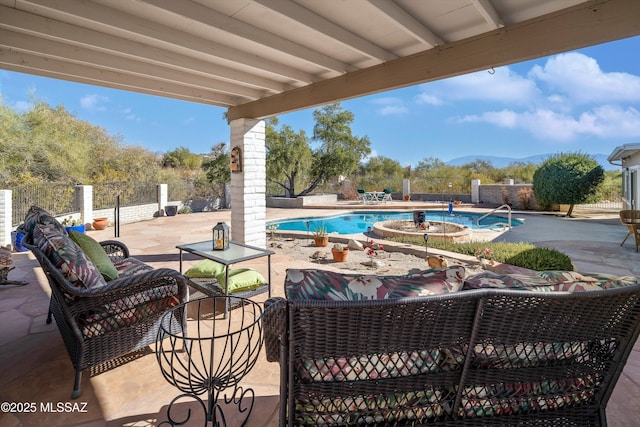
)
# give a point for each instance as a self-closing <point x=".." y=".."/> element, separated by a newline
<point x="35" y="368"/>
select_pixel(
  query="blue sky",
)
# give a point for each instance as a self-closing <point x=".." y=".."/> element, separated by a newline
<point x="587" y="100"/>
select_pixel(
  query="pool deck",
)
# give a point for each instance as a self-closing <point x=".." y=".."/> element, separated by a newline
<point x="36" y="368"/>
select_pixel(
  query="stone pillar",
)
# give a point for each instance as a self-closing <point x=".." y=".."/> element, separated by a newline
<point x="163" y="198"/>
<point x="6" y="216"/>
<point x="406" y="187"/>
<point x="248" y="184"/>
<point x="475" y="191"/>
<point x="84" y="203"/>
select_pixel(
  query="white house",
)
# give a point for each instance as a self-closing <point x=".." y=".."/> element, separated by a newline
<point x="627" y="156"/>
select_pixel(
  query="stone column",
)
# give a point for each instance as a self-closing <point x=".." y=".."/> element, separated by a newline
<point x="248" y="185"/>
<point x="163" y="198"/>
<point x="84" y="202"/>
<point x="406" y="187"/>
<point x="475" y="191"/>
<point x="6" y="216"/>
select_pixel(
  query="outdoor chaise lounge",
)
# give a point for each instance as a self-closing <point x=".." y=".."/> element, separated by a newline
<point x="369" y="350"/>
<point x="631" y="218"/>
<point x="99" y="319"/>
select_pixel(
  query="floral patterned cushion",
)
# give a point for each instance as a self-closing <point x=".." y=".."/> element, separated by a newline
<point x="374" y="366"/>
<point x="130" y="266"/>
<point x="512" y="398"/>
<point x="548" y="281"/>
<point x="36" y="216"/>
<point x="132" y="309"/>
<point x="328" y="285"/>
<point x="65" y="254"/>
<point x="387" y="409"/>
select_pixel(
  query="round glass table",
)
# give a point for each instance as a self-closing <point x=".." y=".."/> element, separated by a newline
<point x="211" y="355"/>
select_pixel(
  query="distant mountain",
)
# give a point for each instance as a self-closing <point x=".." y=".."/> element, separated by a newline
<point x="501" y="162"/>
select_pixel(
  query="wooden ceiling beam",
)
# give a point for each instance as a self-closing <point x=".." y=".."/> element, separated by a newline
<point x="585" y="24"/>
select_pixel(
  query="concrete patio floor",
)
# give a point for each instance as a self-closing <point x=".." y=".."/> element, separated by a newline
<point x="35" y="368"/>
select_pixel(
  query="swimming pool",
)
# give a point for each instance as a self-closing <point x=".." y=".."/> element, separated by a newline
<point x="357" y="222"/>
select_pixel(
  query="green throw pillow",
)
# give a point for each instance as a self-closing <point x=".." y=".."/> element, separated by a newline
<point x="96" y="253"/>
<point x="242" y="279"/>
<point x="205" y="269"/>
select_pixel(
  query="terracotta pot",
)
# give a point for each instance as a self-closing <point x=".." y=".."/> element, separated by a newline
<point x="100" y="223"/>
<point x="407" y="197"/>
<point x="321" y="241"/>
<point x="340" y="256"/>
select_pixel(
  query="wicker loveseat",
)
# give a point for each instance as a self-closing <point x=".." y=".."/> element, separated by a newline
<point x="100" y="320"/>
<point x="439" y="348"/>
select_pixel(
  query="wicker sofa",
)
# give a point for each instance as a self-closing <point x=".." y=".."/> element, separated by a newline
<point x="441" y="348"/>
<point x="100" y="320"/>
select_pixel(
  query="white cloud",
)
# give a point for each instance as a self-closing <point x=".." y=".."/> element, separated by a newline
<point x="566" y="98"/>
<point x="427" y="99"/>
<point x="581" y="80"/>
<point x="605" y="121"/>
<point x="390" y="106"/>
<point x="94" y="102"/>
<point x="504" y="118"/>
<point x="501" y="85"/>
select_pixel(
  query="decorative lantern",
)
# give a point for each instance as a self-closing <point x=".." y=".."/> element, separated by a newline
<point x="220" y="237"/>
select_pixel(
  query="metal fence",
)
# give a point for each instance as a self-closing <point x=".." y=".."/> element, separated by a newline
<point x="181" y="190"/>
<point x="131" y="193"/>
<point x="58" y="199"/>
<point x="610" y="198"/>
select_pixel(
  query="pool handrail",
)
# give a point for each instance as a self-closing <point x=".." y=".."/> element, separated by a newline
<point x="495" y="223"/>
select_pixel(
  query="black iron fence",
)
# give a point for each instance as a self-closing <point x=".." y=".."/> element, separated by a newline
<point x="131" y="193"/>
<point x="58" y="199"/>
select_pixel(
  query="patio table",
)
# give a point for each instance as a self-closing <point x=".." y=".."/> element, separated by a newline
<point x="236" y="253"/>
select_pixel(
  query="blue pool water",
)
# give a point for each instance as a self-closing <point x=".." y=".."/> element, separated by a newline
<point x="357" y="222"/>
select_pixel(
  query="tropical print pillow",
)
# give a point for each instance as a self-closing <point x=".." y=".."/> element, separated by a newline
<point x="37" y="215"/>
<point x="331" y="286"/>
<point x="65" y="254"/>
<point x="548" y="281"/>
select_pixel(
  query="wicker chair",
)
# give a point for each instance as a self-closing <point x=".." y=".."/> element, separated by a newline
<point x="91" y="342"/>
<point x="473" y="358"/>
<point x="631" y="218"/>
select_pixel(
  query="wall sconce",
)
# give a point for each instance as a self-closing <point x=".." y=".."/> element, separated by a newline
<point x="220" y="237"/>
<point x="236" y="159"/>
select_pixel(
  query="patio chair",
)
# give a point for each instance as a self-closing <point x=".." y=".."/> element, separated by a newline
<point x="101" y="320"/>
<point x="631" y="218"/>
<point x="387" y="195"/>
<point x="363" y="196"/>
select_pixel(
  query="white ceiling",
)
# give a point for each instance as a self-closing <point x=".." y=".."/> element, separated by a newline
<point x="264" y="57"/>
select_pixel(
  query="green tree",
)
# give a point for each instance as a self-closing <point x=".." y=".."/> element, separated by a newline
<point x="217" y="170"/>
<point x="567" y="179"/>
<point x="291" y="160"/>
<point x="381" y="172"/>
<point x="289" y="157"/>
<point x="340" y="152"/>
<point x="182" y="157"/>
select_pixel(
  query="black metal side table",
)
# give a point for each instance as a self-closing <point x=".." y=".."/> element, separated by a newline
<point x="212" y="356"/>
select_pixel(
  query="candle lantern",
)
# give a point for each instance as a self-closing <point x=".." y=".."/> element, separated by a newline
<point x="220" y="237"/>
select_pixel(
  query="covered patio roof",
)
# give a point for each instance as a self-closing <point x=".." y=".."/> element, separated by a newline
<point x="259" y="58"/>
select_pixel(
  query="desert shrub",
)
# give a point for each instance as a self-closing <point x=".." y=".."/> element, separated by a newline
<point x="541" y="259"/>
<point x="525" y="196"/>
<point x="520" y="254"/>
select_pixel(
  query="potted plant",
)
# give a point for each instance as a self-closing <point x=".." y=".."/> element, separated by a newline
<point x="320" y="236"/>
<point x="171" y="210"/>
<point x="73" y="224"/>
<point x="407" y="197"/>
<point x="339" y="252"/>
<point x="100" y="223"/>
